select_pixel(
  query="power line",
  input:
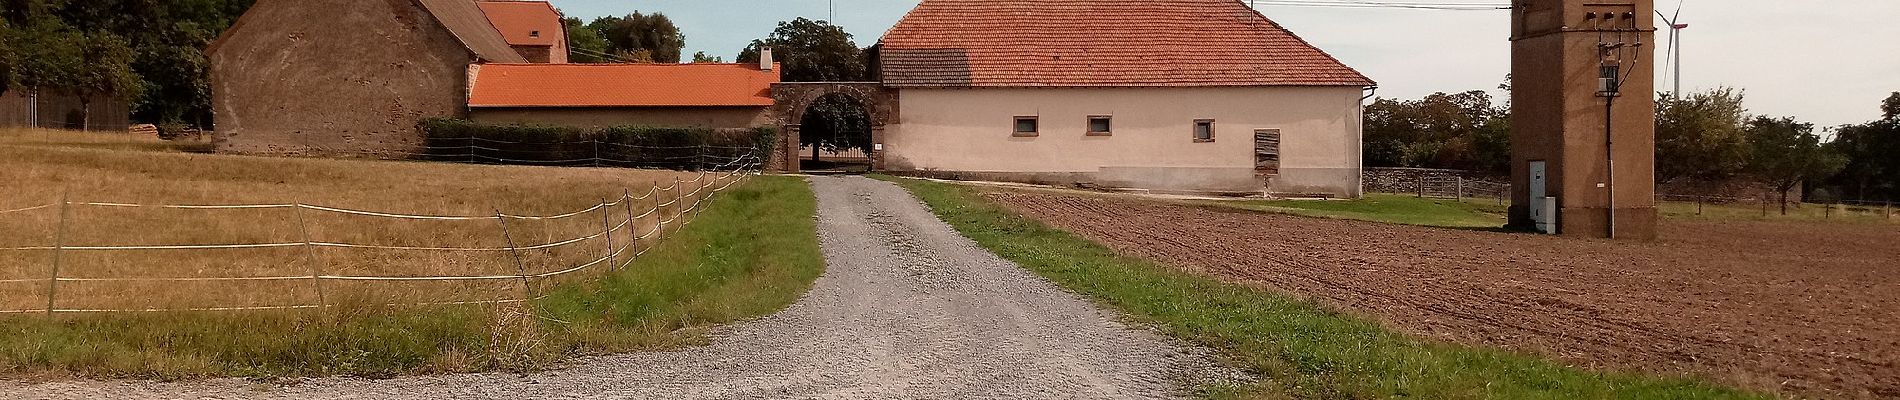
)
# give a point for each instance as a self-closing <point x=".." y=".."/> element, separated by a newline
<point x="1413" y="5"/>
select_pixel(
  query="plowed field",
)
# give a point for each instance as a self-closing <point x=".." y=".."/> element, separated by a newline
<point x="1795" y="308"/>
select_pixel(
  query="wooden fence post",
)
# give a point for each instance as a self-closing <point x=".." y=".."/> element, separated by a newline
<point x="608" y="229"/>
<point x="310" y="257"/>
<point x="1461" y="189"/>
<point x="633" y="229"/>
<point x="1421" y="183"/>
<point x="59" y="248"/>
<point x="521" y="268"/>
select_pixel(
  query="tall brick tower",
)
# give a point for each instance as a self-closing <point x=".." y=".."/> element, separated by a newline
<point x="1583" y="117"/>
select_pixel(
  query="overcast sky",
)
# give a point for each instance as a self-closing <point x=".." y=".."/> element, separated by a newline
<point x="1825" y="61"/>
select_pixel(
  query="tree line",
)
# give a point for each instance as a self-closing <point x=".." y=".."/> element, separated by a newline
<point x="146" y="52"/>
<point x="1707" y="135"/>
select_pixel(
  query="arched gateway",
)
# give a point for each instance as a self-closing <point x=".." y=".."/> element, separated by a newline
<point x="792" y="99"/>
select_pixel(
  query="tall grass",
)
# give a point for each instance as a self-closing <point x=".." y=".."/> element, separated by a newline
<point x="750" y="253"/>
<point x="1304" y="350"/>
<point x="356" y="334"/>
<point x="44" y="167"/>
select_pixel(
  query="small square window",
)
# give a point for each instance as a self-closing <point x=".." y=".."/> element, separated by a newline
<point x="1026" y="126"/>
<point x="1203" y="130"/>
<point x="1099" y="125"/>
<point x="534" y="34"/>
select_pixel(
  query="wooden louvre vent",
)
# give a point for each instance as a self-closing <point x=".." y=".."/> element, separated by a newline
<point x="1267" y="151"/>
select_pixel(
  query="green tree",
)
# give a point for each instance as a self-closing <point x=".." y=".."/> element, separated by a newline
<point x="584" y="43"/>
<point x="1455" y="131"/>
<point x="702" y="57"/>
<point x="48" y="55"/>
<point x="105" y="70"/>
<point x="1786" y="153"/>
<point x="817" y="51"/>
<point x="642" y="37"/>
<point x="6" y="56"/>
<point x="811" y="51"/>
<point x="1873" y="170"/>
<point x="1701" y="136"/>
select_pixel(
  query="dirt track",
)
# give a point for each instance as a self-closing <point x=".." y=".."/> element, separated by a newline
<point x="1803" y="309"/>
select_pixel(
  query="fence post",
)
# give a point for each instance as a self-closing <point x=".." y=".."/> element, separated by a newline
<point x="633" y="230"/>
<point x="310" y="257"/>
<point x="596" y="143"/>
<point x="471" y="149"/>
<point x="679" y="199"/>
<point x="608" y="229"/>
<point x="59" y="248"/>
<point x="521" y="268"/>
<point x="1421" y="183"/>
<point x="1461" y="189"/>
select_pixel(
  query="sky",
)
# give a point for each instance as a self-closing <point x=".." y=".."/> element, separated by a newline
<point x="1829" y="62"/>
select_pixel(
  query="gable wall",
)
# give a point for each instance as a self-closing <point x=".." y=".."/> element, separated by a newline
<point x="334" y="77"/>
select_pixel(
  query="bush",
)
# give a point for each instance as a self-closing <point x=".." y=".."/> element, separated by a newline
<point x="623" y="146"/>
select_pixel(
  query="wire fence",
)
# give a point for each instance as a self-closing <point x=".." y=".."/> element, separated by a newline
<point x="579" y="153"/>
<point x="1464" y="185"/>
<point x="295" y="274"/>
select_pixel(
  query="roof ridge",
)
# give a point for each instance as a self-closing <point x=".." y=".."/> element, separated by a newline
<point x="1296" y="36"/>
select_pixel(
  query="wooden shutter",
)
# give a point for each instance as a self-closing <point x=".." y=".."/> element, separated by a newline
<point x="1266" y="148"/>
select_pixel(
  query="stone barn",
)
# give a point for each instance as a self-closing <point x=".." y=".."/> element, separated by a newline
<point x="1178" y="95"/>
<point x="353" y="77"/>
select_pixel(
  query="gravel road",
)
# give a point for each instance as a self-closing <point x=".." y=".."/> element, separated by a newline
<point x="907" y="308"/>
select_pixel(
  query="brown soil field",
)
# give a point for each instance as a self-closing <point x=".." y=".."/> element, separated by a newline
<point x="1802" y="309"/>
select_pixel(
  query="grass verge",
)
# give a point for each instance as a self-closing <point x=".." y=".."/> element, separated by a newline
<point x="1302" y="350"/>
<point x="1387" y="208"/>
<point x="752" y="252"/>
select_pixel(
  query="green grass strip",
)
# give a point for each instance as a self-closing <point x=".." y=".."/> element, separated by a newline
<point x="753" y="252"/>
<point x="1301" y="349"/>
<point x="1388" y="208"/>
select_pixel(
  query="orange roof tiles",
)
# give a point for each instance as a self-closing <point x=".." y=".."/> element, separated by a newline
<point x="621" y="85"/>
<point x="525" y="23"/>
<point x="1101" y="43"/>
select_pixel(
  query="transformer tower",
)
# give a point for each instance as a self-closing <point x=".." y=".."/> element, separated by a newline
<point x="1583" y="117"/>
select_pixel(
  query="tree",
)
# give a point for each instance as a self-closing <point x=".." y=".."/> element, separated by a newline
<point x="811" y="51"/>
<point x="6" y="56"/>
<point x="817" y="51"/>
<point x="702" y="57"/>
<point x="1701" y="136"/>
<point x="1872" y="170"/>
<point x="584" y="43"/>
<point x="48" y="55"/>
<point x="1786" y="153"/>
<point x="105" y="70"/>
<point x="652" y="35"/>
<point x="1456" y="131"/>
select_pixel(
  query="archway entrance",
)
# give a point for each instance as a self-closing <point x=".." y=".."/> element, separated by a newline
<point x="836" y="134"/>
<point x="793" y="101"/>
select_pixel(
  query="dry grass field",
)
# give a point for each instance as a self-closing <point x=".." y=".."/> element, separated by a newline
<point x="41" y="167"/>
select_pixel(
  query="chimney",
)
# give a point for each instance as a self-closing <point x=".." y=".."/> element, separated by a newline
<point x="765" y="58"/>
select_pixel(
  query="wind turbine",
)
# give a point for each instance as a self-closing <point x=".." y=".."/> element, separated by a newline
<point x="1675" y="46"/>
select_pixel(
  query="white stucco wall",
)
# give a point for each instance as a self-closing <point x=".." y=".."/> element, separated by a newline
<point x="1152" y="146"/>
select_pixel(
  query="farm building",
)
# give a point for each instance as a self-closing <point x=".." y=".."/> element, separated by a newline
<point x="1194" y="95"/>
<point x="19" y="108"/>
<point x="601" y="95"/>
<point x="353" y="78"/>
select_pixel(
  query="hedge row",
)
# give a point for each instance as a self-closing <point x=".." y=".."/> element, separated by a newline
<point x="622" y="146"/>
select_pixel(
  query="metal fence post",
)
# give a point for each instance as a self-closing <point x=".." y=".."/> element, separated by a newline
<point x="310" y="257"/>
<point x="521" y="268"/>
<point x="1461" y="189"/>
<point x="59" y="248"/>
<point x="596" y="143"/>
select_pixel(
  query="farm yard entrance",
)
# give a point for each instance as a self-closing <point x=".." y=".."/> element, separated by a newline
<point x="857" y="113"/>
<point x="1795" y="308"/>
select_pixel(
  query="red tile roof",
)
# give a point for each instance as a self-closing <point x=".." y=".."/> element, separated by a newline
<point x="464" y="20"/>
<point x="621" y="85"/>
<point x="525" y="23"/>
<point x="1101" y="43"/>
